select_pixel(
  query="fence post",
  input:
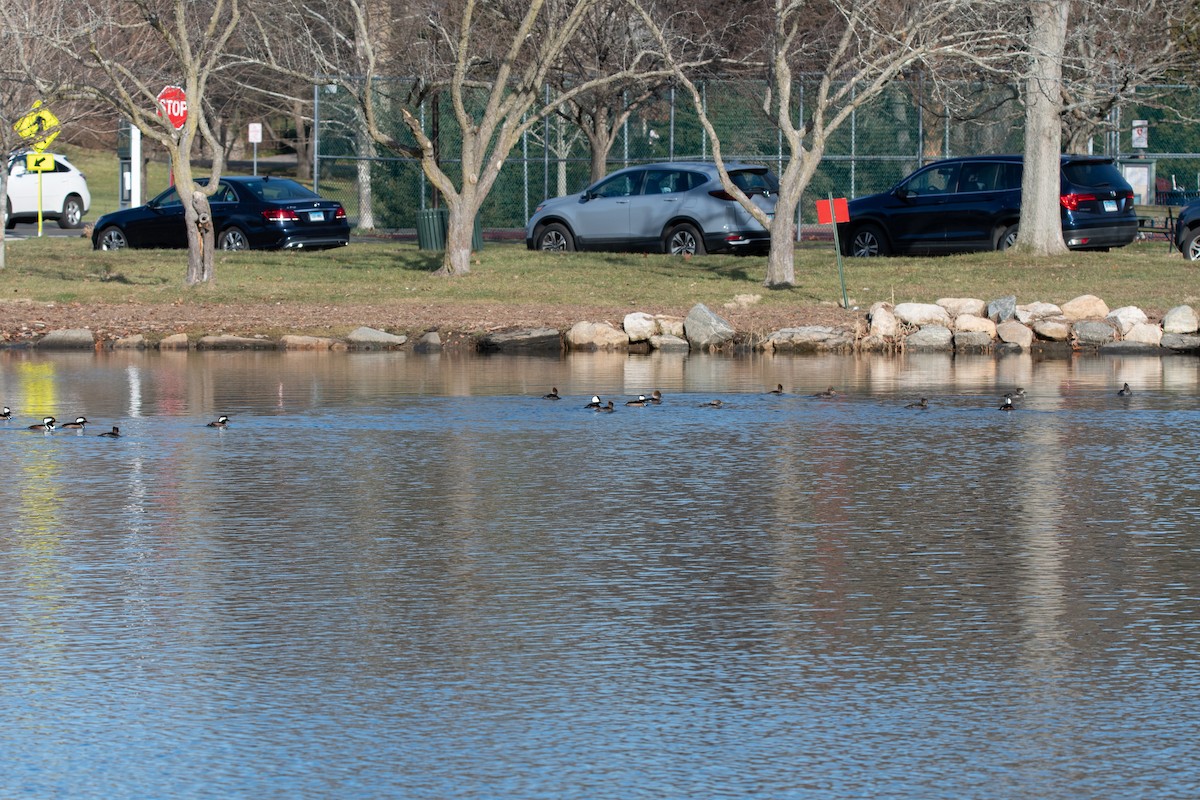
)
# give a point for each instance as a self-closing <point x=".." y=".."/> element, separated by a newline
<point x="316" y="135"/>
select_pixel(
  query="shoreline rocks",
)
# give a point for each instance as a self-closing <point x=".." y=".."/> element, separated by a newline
<point x="968" y="325"/>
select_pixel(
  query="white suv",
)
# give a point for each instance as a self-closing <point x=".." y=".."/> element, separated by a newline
<point x="65" y="195"/>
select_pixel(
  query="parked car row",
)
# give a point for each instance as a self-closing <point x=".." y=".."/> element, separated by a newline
<point x="951" y="206"/>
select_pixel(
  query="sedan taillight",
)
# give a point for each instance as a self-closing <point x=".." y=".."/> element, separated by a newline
<point x="340" y="213"/>
<point x="280" y="215"/>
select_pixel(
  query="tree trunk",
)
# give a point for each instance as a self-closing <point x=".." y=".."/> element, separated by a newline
<point x="1041" y="221"/>
<point x="459" y="232"/>
<point x="781" y="263"/>
<point x="3" y="209"/>
<point x="198" y="217"/>
<point x="365" y="152"/>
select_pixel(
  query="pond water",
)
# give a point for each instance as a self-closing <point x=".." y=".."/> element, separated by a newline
<point x="411" y="576"/>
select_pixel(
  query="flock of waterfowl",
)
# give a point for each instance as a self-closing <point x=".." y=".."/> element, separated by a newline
<point x="1007" y="402"/>
<point x="50" y="424"/>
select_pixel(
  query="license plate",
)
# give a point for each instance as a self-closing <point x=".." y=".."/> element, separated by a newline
<point x="1110" y="205"/>
<point x="319" y="216"/>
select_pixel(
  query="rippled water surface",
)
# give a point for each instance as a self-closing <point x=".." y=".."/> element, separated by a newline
<point x="410" y="576"/>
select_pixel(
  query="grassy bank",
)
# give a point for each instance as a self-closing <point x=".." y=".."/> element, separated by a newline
<point x="69" y="271"/>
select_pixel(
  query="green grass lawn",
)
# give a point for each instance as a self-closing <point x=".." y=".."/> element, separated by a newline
<point x="1147" y="275"/>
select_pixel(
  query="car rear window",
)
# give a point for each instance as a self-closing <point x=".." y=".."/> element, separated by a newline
<point x="1092" y="173"/>
<point x="754" y="181"/>
<point x="279" y="190"/>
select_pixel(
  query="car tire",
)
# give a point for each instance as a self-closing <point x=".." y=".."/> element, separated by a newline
<point x="684" y="240"/>
<point x="9" y="222"/>
<point x="1007" y="238"/>
<point x="1190" y="247"/>
<point x="555" y="238"/>
<point x="72" y="212"/>
<point x="233" y="239"/>
<point x="111" y="238"/>
<point x="868" y="242"/>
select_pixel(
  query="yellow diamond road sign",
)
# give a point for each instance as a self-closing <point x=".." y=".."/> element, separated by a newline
<point x="39" y="126"/>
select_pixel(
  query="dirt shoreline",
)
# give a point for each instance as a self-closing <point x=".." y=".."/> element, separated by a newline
<point x="24" y="321"/>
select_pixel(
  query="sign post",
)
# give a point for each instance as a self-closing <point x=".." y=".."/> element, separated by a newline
<point x="832" y="212"/>
<point x="39" y="127"/>
<point x="255" y="136"/>
<point x="39" y="163"/>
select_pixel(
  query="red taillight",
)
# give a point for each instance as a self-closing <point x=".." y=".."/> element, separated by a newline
<point x="279" y="215"/>
<point x="340" y="213"/>
<point x="1071" y="201"/>
<point x="721" y="194"/>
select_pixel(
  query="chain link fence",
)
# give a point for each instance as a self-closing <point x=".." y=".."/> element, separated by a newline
<point x="880" y="143"/>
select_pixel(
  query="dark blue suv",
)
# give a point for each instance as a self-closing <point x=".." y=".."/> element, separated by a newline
<point x="964" y="204"/>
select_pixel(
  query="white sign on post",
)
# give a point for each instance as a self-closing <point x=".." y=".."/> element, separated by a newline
<point x="1141" y="134"/>
<point x="255" y="136"/>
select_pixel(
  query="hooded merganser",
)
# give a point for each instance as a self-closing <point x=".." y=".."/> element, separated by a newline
<point x="608" y="409"/>
<point x="220" y="422"/>
<point x="6" y="414"/>
<point x="1018" y="392"/>
<point x="712" y="404"/>
<point x="595" y="402"/>
<point x="777" y="390"/>
<point x="830" y="392"/>
<point x="656" y="397"/>
<point x="47" y="425"/>
<point x="553" y="395"/>
<point x="78" y="423"/>
<point x="115" y="433"/>
<point x="923" y="404"/>
<point x="1125" y="391"/>
<point x="641" y="401"/>
<point x="1008" y="403"/>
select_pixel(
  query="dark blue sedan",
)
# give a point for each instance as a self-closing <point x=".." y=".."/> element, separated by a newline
<point x="259" y="213"/>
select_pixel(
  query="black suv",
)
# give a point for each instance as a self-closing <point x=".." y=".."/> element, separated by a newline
<point x="964" y="204"/>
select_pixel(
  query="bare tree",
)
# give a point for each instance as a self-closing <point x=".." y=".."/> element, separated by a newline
<point x="1085" y="59"/>
<point x="864" y="45"/>
<point x="21" y="90"/>
<point x="132" y="49"/>
<point x="492" y="60"/>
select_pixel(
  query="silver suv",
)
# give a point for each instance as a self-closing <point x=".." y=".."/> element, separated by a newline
<point x="678" y="207"/>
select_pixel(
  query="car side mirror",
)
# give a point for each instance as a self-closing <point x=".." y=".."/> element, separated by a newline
<point x="903" y="193"/>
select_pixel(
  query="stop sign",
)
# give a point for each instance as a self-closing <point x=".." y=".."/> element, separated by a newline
<point x="172" y="101"/>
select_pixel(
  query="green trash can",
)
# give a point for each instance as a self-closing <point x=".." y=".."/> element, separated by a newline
<point x="431" y="228"/>
<point x="432" y="224"/>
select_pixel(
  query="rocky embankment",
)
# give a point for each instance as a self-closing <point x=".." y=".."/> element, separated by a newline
<point x="951" y="324"/>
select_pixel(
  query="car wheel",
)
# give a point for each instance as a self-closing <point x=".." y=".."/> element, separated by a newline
<point x="684" y="240"/>
<point x="555" y="238"/>
<point x="868" y="242"/>
<point x="233" y="239"/>
<point x="1007" y="238"/>
<point x="111" y="238"/>
<point x="72" y="213"/>
<point x="1191" y="245"/>
<point x="9" y="222"/>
